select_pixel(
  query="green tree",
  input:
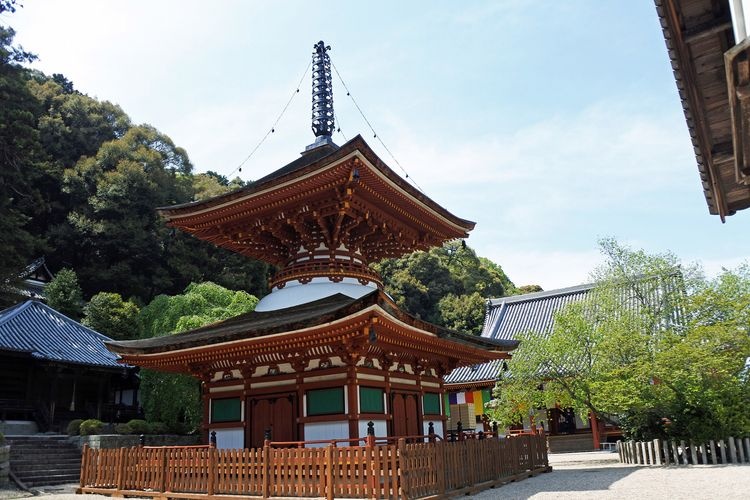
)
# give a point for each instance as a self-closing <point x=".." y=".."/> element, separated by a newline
<point x="175" y="399"/>
<point x="108" y="314"/>
<point x="64" y="294"/>
<point x="20" y="158"/>
<point x="656" y="346"/>
<point x="464" y="313"/>
<point x="445" y="285"/>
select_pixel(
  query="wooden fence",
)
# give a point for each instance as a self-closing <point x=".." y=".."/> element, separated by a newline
<point x="398" y="470"/>
<point x="666" y="452"/>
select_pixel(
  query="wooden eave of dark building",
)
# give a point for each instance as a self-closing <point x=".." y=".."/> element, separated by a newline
<point x="712" y="79"/>
<point x="276" y="328"/>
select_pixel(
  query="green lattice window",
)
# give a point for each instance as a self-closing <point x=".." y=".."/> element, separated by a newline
<point x="371" y="400"/>
<point x="431" y="403"/>
<point x="226" y="410"/>
<point x="325" y="401"/>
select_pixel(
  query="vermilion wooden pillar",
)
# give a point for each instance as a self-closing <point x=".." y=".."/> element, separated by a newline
<point x="595" y="431"/>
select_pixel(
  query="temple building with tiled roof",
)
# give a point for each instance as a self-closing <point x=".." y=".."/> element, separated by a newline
<point x="327" y="351"/>
<point x="469" y="387"/>
<point x="53" y="369"/>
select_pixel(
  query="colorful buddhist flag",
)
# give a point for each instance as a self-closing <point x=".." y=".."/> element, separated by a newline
<point x="453" y="398"/>
<point x="447" y="401"/>
<point x="469" y="396"/>
<point x="460" y="398"/>
<point x="478" y="403"/>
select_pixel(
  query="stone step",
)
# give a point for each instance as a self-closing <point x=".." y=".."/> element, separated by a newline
<point x="37" y="452"/>
<point x="51" y="480"/>
<point x="45" y="460"/>
<point x="22" y="466"/>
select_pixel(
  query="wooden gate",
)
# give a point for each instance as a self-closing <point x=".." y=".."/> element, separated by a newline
<point x="278" y="413"/>
<point x="407" y="414"/>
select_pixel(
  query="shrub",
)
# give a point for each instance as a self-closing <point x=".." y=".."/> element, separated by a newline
<point x="123" y="429"/>
<point x="178" y="428"/>
<point x="91" y="426"/>
<point x="2" y="439"/>
<point x="139" y="426"/>
<point x="74" y="427"/>
<point x="158" y="428"/>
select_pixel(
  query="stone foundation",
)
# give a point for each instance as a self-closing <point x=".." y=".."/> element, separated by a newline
<point x="130" y="440"/>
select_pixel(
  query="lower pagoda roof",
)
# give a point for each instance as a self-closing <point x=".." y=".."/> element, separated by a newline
<point x="284" y="334"/>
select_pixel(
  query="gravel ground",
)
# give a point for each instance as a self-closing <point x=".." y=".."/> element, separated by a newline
<point x="600" y="475"/>
<point x="574" y="476"/>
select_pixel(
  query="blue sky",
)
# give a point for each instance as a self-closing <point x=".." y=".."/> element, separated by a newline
<point x="551" y="124"/>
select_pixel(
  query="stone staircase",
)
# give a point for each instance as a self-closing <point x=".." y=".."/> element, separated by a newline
<point x="570" y="443"/>
<point x="44" y="459"/>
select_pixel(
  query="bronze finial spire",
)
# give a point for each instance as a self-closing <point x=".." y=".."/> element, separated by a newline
<point x="322" y="91"/>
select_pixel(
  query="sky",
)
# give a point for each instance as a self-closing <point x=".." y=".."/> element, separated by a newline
<point x="550" y="124"/>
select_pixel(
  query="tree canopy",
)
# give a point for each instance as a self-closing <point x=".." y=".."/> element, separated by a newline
<point x="79" y="184"/>
<point x="175" y="399"/>
<point x="656" y="347"/>
<point x="108" y="314"/>
<point x="446" y="285"/>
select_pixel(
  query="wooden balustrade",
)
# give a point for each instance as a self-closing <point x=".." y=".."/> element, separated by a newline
<point x="400" y="470"/>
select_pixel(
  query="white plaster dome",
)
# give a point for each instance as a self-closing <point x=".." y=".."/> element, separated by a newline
<point x="295" y="293"/>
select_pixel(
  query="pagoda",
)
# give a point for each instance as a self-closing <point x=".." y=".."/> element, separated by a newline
<point x="327" y="351"/>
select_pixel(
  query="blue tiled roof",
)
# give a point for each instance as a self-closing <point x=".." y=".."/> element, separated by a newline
<point x="507" y="317"/>
<point x="44" y="333"/>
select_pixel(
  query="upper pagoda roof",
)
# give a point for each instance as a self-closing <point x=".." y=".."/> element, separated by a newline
<point x="270" y="333"/>
<point x="335" y="196"/>
<point x="311" y="161"/>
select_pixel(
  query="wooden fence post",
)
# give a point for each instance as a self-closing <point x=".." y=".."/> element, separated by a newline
<point x="741" y="451"/>
<point x="657" y="452"/>
<point x="266" y="468"/>
<point x="329" y="472"/>
<point x="694" y="453"/>
<point x="440" y="466"/>
<point x="532" y="439"/>
<point x="165" y="473"/>
<point x="723" y="451"/>
<point x="665" y="449"/>
<point x="732" y="450"/>
<point x="120" y="474"/>
<point x="403" y="468"/>
<point x="675" y="454"/>
<point x="747" y="447"/>
<point x="85" y="456"/>
<point x="212" y="468"/>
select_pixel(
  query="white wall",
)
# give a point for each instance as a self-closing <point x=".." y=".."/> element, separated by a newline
<point x="436" y="424"/>
<point x="229" y="438"/>
<point x="326" y="430"/>
<point x="381" y="428"/>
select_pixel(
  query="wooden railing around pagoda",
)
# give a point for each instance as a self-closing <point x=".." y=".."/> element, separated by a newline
<point x="379" y="469"/>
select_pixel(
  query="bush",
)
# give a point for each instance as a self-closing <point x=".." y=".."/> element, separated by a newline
<point x="91" y="426"/>
<point x="2" y="439"/>
<point x="139" y="426"/>
<point x="74" y="427"/>
<point x="178" y="428"/>
<point x="123" y="429"/>
<point x="158" y="428"/>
